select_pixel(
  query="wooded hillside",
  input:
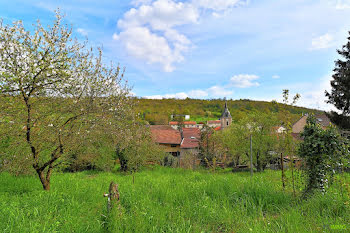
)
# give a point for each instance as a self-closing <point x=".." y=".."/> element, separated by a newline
<point x="156" y="111"/>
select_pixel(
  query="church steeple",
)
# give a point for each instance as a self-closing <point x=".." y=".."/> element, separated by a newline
<point x="226" y="118"/>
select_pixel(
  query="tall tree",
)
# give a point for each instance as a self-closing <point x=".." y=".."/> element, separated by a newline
<point x="340" y="93"/>
<point x="61" y="90"/>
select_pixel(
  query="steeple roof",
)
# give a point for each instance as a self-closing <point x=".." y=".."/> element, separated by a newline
<point x="226" y="113"/>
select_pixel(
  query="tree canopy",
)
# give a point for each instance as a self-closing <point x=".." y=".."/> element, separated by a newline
<point x="55" y="91"/>
<point x="340" y="93"/>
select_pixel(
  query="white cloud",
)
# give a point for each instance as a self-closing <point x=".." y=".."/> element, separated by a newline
<point x="342" y="4"/>
<point x="180" y="95"/>
<point x="244" y="80"/>
<point x="314" y="94"/>
<point x="275" y="76"/>
<point x="213" y="92"/>
<point x="82" y="31"/>
<point x="149" y="32"/>
<point x="141" y="43"/>
<point x="216" y="5"/>
<point x="219" y="91"/>
<point x="322" y="42"/>
<point x="198" y="94"/>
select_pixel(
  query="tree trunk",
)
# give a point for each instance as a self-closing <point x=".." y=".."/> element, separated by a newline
<point x="43" y="179"/>
<point x="258" y="162"/>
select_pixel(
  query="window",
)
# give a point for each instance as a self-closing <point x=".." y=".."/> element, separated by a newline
<point x="173" y="145"/>
<point x="227" y="122"/>
<point x="175" y="154"/>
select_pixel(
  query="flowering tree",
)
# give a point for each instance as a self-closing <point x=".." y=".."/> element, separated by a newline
<point x="61" y="90"/>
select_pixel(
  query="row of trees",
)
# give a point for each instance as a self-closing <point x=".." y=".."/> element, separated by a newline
<point x="233" y="144"/>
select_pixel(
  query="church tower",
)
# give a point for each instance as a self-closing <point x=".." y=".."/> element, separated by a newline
<point x="226" y="118"/>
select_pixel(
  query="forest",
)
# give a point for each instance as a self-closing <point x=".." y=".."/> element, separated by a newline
<point x="156" y="111"/>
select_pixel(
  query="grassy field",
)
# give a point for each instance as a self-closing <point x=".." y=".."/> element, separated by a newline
<point x="168" y="200"/>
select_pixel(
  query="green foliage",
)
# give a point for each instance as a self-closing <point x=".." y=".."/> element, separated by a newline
<point x="159" y="111"/>
<point x="167" y="200"/>
<point x="323" y="151"/>
<point x="235" y="140"/>
<point x="340" y="95"/>
<point x="135" y="149"/>
<point x="53" y="90"/>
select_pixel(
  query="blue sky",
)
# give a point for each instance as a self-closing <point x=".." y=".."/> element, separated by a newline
<point x="239" y="49"/>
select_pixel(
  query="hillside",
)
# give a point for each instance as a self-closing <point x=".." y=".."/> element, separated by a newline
<point x="158" y="111"/>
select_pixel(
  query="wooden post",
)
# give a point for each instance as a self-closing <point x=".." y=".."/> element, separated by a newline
<point x="113" y="196"/>
<point x="282" y="168"/>
<point x="292" y="167"/>
<point x="251" y="156"/>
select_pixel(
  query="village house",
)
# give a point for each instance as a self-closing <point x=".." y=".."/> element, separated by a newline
<point x="175" y="141"/>
<point x="178" y="140"/>
<point x="224" y="122"/>
<point x="298" y="127"/>
<point x="186" y="124"/>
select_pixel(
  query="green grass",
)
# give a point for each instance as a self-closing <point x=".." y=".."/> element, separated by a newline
<point x="168" y="200"/>
<point x="203" y="119"/>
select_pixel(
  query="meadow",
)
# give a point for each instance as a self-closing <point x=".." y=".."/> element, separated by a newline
<point x="169" y="200"/>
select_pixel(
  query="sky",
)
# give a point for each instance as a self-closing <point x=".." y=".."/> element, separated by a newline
<point x="238" y="49"/>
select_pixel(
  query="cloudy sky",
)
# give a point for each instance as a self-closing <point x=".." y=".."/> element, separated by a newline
<point x="239" y="49"/>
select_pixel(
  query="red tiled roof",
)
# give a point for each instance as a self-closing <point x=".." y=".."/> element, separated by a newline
<point x="214" y="122"/>
<point x="217" y="128"/>
<point x="188" y="143"/>
<point x="185" y="123"/>
<point x="164" y="134"/>
<point x="191" y="132"/>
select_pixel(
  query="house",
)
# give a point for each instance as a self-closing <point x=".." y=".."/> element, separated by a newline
<point x="180" y="140"/>
<point x="214" y="124"/>
<point x="186" y="124"/>
<point x="186" y="117"/>
<point x="176" y="141"/>
<point x="298" y="127"/>
<point x="167" y="137"/>
<point x="190" y="140"/>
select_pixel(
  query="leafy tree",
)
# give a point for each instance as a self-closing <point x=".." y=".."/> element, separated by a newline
<point x="323" y="151"/>
<point x="340" y="94"/>
<point x="207" y="145"/>
<point x="135" y="148"/>
<point x="235" y="140"/>
<point x="61" y="90"/>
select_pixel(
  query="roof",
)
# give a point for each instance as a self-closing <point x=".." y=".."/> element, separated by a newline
<point x="191" y="133"/>
<point x="191" y="138"/>
<point x="323" y="120"/>
<point x="188" y="143"/>
<point x="226" y="113"/>
<point x="164" y="134"/>
<point x="217" y="128"/>
<point x="185" y="123"/>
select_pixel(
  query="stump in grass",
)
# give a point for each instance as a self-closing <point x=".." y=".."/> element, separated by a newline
<point x="113" y="196"/>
